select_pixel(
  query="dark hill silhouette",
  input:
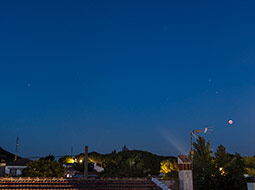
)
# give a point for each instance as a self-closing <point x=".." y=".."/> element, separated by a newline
<point x="125" y="163"/>
<point x="6" y="156"/>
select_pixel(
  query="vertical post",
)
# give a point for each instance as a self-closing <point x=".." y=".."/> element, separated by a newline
<point x="191" y="149"/>
<point x="16" y="153"/>
<point x="86" y="162"/>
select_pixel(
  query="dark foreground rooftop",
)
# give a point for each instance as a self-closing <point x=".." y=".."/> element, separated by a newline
<point x="76" y="184"/>
<point x="20" y="162"/>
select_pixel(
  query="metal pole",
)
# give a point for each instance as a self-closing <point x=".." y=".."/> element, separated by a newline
<point x="191" y="149"/>
<point x="191" y="155"/>
<point x="16" y="153"/>
<point x="191" y="143"/>
<point x="86" y="162"/>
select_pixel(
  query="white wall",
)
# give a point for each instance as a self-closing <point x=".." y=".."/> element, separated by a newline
<point x="98" y="168"/>
<point x="186" y="181"/>
<point x="251" y="186"/>
<point x="17" y="168"/>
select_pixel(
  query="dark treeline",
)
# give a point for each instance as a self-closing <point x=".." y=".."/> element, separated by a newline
<point x="125" y="163"/>
<point x="222" y="172"/>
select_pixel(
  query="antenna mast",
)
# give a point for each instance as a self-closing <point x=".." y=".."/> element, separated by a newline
<point x="17" y="144"/>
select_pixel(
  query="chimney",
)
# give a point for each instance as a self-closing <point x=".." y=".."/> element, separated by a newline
<point x="86" y="162"/>
<point x="185" y="173"/>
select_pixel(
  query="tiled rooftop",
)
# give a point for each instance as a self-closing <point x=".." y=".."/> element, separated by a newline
<point x="77" y="184"/>
<point x="20" y="162"/>
<point x="184" y="159"/>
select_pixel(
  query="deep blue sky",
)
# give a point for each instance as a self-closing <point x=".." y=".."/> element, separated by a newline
<point x="137" y="73"/>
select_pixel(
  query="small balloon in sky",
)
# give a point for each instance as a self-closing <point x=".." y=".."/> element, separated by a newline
<point x="230" y="121"/>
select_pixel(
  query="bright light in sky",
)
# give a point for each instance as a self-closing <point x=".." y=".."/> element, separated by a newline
<point x="230" y="122"/>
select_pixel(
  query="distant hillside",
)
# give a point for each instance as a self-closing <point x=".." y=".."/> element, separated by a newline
<point x="7" y="156"/>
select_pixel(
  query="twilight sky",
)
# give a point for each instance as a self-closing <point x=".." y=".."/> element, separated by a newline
<point x="137" y="73"/>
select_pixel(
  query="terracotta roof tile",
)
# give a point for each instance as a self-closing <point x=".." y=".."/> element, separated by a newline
<point x="77" y="184"/>
<point x="20" y="162"/>
<point x="185" y="159"/>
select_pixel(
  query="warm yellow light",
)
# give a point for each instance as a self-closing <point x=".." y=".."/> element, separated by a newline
<point x="69" y="160"/>
<point x="91" y="160"/>
<point x="80" y="161"/>
<point x="167" y="166"/>
<point x="221" y="171"/>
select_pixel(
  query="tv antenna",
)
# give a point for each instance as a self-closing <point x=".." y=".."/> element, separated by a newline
<point x="16" y="153"/>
